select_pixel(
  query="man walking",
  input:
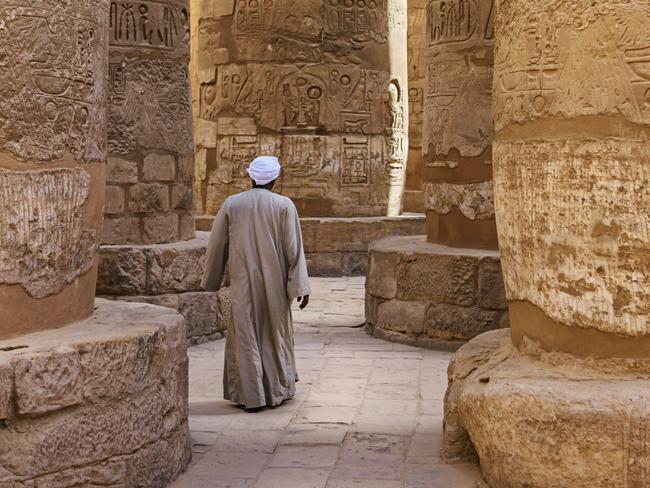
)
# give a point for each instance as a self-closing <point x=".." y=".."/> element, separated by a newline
<point x="258" y="233"/>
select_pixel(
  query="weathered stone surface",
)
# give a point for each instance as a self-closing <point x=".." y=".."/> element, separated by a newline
<point x="473" y="200"/>
<point x="120" y="230"/>
<point x="321" y="84"/>
<point x="576" y="140"/>
<point x="48" y="381"/>
<point x="200" y="310"/>
<point x="111" y="395"/>
<point x="491" y="291"/>
<point x="175" y="270"/>
<point x="52" y="156"/>
<point x="432" y="296"/>
<point x="122" y="271"/>
<point x="6" y="391"/>
<point x="549" y="420"/>
<point x="150" y="125"/>
<point x="402" y="316"/>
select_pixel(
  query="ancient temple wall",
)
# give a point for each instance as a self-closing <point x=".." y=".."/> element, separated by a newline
<point x="416" y="57"/>
<point x="150" y="165"/>
<point x="321" y="84"/>
<point x="572" y="111"/>
<point x="457" y="126"/>
<point x="53" y="75"/>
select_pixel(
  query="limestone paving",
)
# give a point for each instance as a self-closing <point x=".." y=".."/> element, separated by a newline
<point x="367" y="413"/>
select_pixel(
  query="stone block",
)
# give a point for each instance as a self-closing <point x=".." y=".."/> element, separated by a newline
<point x="6" y="390"/>
<point x="159" y="167"/>
<point x="160" y="228"/>
<point x="115" y="197"/>
<point x="355" y="264"/>
<point x="148" y="198"/>
<point x="347" y="235"/>
<point x="206" y="133"/>
<point x="175" y="269"/>
<point x="122" y="271"/>
<point x="187" y="229"/>
<point x="200" y="310"/>
<point x="491" y="290"/>
<point x="48" y="381"/>
<point x="454" y="322"/>
<point x="382" y="274"/>
<point x="169" y="300"/>
<point x="325" y="264"/>
<point x="182" y="197"/>
<point x="237" y="126"/>
<point x="120" y="230"/>
<point x="402" y="316"/>
<point x="442" y="278"/>
<point x="121" y="171"/>
<point x="224" y="297"/>
<point x="186" y="169"/>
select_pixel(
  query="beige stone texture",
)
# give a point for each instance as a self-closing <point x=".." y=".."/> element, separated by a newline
<point x="572" y="120"/>
<point x="547" y="420"/>
<point x="457" y="122"/>
<point x="323" y="85"/>
<point x="168" y="275"/>
<point x="430" y="295"/>
<point x="150" y="123"/>
<point x="52" y="155"/>
<point x="102" y="402"/>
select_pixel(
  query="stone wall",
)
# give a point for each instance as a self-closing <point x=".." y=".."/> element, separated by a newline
<point x="102" y="402"/>
<point x="432" y="296"/>
<point x="321" y="84"/>
<point x="52" y="160"/>
<point x="457" y="127"/>
<point x="150" y="167"/>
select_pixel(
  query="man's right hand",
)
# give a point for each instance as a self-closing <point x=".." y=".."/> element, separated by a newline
<point x="304" y="301"/>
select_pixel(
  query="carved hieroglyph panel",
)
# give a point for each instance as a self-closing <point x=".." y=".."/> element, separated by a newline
<point x="590" y="60"/>
<point x="51" y="100"/>
<point x="150" y="106"/>
<point x="43" y="242"/>
<point x="457" y="91"/>
<point x="417" y="50"/>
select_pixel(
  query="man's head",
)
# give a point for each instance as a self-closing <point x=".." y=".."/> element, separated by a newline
<point x="264" y="170"/>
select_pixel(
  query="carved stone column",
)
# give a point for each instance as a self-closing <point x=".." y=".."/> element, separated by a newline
<point x="52" y="160"/>
<point x="447" y="289"/>
<point x="562" y="402"/>
<point x="457" y="126"/>
<point x="150" y="171"/>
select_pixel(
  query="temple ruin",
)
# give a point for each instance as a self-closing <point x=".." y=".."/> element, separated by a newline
<point x="90" y="393"/>
<point x="483" y="163"/>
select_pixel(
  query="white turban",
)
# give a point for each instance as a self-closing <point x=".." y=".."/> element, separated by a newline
<point x="264" y="169"/>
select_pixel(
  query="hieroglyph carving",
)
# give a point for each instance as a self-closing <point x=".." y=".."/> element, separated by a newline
<point x="540" y="75"/>
<point x="51" y="100"/>
<point x="459" y="74"/>
<point x="43" y="243"/>
<point x="148" y="24"/>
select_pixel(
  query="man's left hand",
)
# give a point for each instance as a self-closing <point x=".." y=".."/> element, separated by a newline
<point x="304" y="301"/>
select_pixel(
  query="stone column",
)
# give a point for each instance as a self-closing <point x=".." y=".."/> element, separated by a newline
<point x="150" y="171"/>
<point x="320" y="83"/>
<point x="457" y="126"/>
<point x="572" y="118"/>
<point x="562" y="401"/>
<point x="444" y="290"/>
<point x="52" y="160"/>
<point x="416" y="57"/>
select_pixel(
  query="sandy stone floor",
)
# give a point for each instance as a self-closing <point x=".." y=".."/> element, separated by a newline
<point x="367" y="414"/>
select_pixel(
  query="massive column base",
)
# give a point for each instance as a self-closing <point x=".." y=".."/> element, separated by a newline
<point x="548" y="420"/>
<point x="432" y="296"/>
<point x="168" y="275"/>
<point x="101" y="402"/>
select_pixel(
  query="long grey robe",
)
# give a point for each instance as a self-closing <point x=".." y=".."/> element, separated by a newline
<point x="258" y="233"/>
